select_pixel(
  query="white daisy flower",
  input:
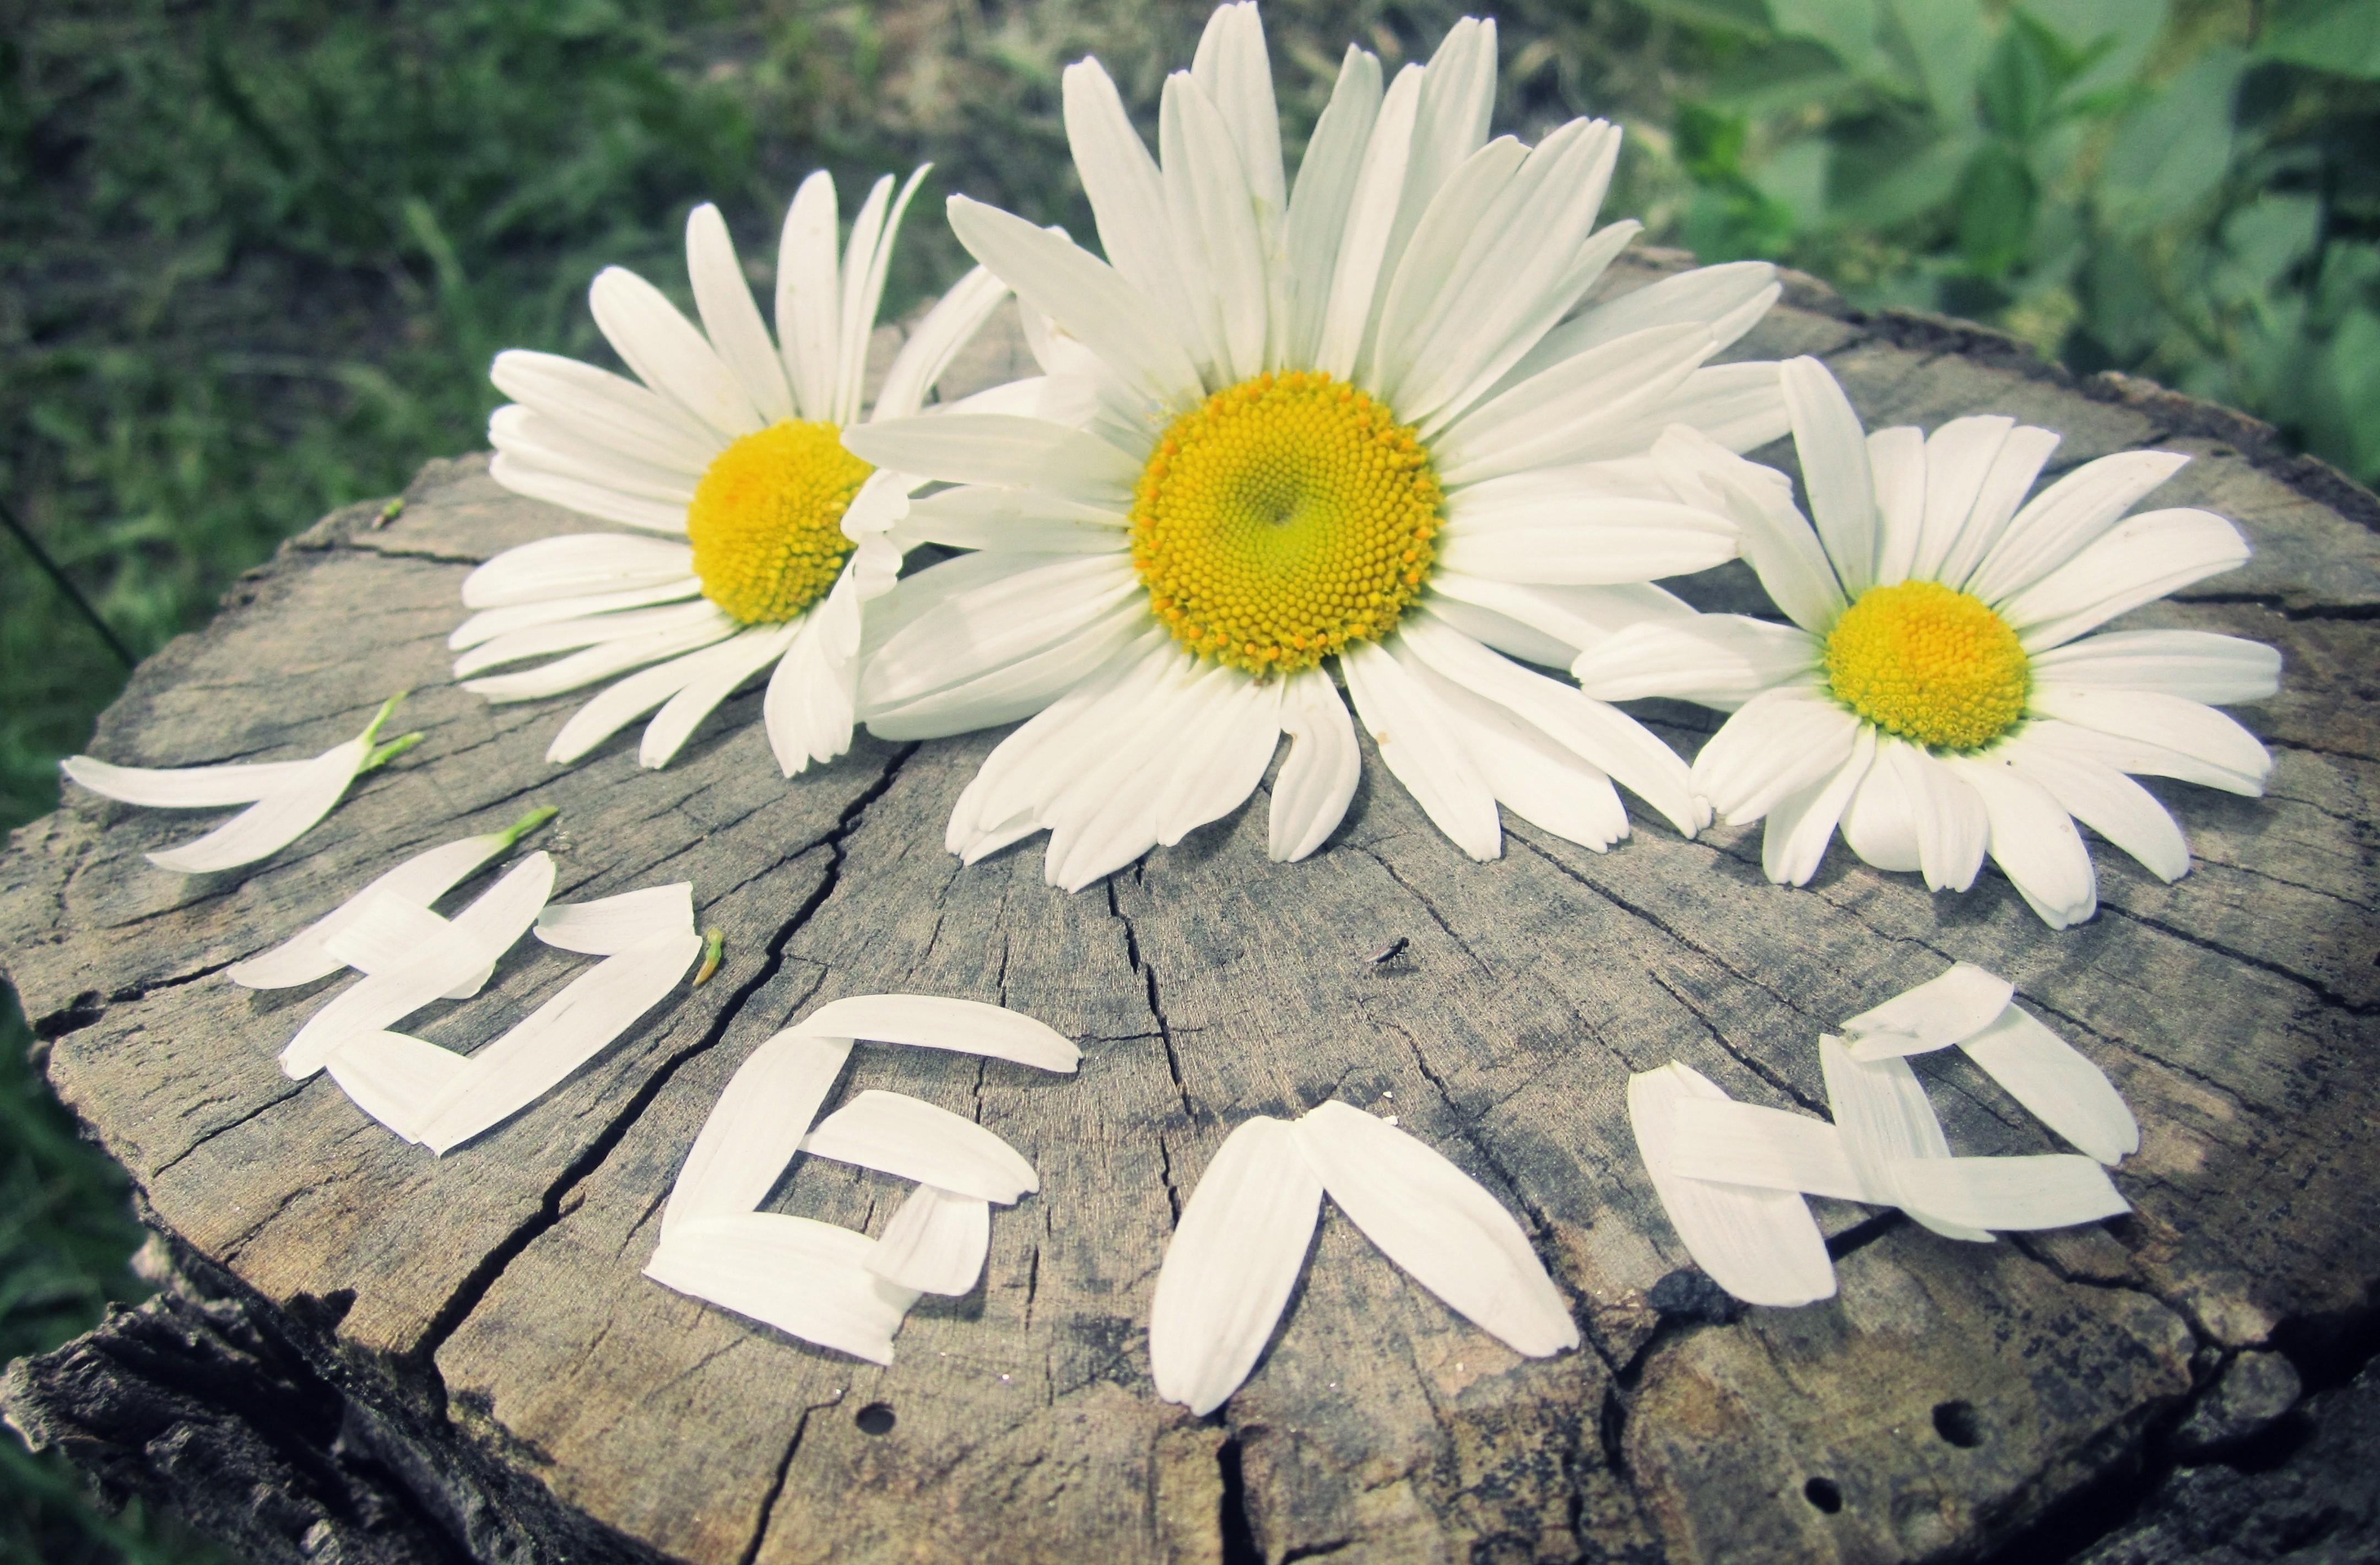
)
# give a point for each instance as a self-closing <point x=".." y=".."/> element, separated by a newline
<point x="1241" y="1246"/>
<point x="774" y="533"/>
<point x="818" y="1281"/>
<point x="1935" y="694"/>
<point x="286" y="799"/>
<point x="1370" y="419"/>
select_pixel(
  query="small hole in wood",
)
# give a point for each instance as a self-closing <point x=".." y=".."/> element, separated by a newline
<point x="876" y="1418"/>
<point x="1956" y="1422"/>
<point x="1823" y="1493"/>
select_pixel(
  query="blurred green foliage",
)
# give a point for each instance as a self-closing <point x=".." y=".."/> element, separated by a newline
<point x="255" y="255"/>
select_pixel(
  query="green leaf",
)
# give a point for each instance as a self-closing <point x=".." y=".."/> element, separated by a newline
<point x="1847" y="29"/>
<point x="2171" y="153"/>
<point x="2340" y="36"/>
<point x="1889" y="183"/>
<point x="1996" y="203"/>
<point x="2113" y="38"/>
<point x="1949" y="42"/>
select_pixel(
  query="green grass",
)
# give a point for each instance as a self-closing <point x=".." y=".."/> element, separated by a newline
<point x="255" y="256"/>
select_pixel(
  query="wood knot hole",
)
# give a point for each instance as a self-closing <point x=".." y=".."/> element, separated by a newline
<point x="876" y="1418"/>
<point x="1824" y="1493"/>
<point x="1956" y="1422"/>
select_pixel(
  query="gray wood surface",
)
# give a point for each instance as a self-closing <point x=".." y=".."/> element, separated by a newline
<point x="478" y="1330"/>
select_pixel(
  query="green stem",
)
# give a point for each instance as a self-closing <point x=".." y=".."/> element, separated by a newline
<point x="512" y="834"/>
<point x="383" y="754"/>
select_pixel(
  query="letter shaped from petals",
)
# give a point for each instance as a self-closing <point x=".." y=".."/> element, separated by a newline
<point x="1242" y="1244"/>
<point x="822" y="1283"/>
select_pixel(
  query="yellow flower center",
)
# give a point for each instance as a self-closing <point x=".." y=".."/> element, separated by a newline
<point x="1281" y="520"/>
<point x="1929" y="664"/>
<point x="767" y="519"/>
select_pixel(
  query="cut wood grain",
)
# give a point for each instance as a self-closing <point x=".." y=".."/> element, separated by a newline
<point x="497" y="1379"/>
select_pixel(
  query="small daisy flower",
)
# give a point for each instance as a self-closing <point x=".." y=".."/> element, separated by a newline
<point x="1937" y="696"/>
<point x="771" y="534"/>
<point x="1369" y="419"/>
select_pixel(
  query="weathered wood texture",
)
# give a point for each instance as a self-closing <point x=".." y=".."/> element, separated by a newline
<point x="476" y="1330"/>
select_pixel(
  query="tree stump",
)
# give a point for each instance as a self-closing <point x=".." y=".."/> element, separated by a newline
<point x="368" y="1353"/>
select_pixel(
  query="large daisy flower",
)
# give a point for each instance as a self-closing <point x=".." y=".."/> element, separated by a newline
<point x="1368" y="421"/>
<point x="1937" y="696"/>
<point x="768" y="539"/>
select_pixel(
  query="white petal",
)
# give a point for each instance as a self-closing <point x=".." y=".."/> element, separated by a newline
<point x="1211" y="209"/>
<point x="1224" y="758"/>
<point x="1887" y="1123"/>
<point x="1554" y="417"/>
<point x="1545" y="624"/>
<point x="1730" y="298"/>
<point x="539" y="440"/>
<point x="1801" y="826"/>
<point x="808" y="1278"/>
<point x="601" y="662"/>
<point x="2167" y="721"/>
<point x="1996" y="496"/>
<point x="2144" y="558"/>
<point x="610" y="925"/>
<point x="602" y="501"/>
<point x="1084" y="295"/>
<point x="619" y="704"/>
<point x="575" y="565"/>
<point x="1458" y="92"/>
<point x="558" y="1037"/>
<point x="491" y="623"/>
<point x="1742" y="1143"/>
<point x="1067" y="740"/>
<point x="1017" y="520"/>
<point x="1736" y="406"/>
<point x="1362" y="261"/>
<point x="1761" y="1245"/>
<point x="391" y="1076"/>
<point x="1231" y="69"/>
<point x="1957" y="458"/>
<point x="1311" y="792"/>
<point x="1937" y="1013"/>
<point x="1953" y="824"/>
<point x="1234" y="1258"/>
<point x="1439" y="1224"/>
<point x="1780" y="742"/>
<point x="1600" y="735"/>
<point x="809" y="297"/>
<point x="2052" y="1190"/>
<point x="947" y="329"/>
<point x="608" y="408"/>
<point x="730" y="317"/>
<point x="2139" y="756"/>
<point x="1599" y="543"/>
<point x="274" y="821"/>
<point x="724" y="669"/>
<point x="978" y="629"/>
<point x="421" y="881"/>
<point x="935" y="1243"/>
<point x="755" y="1128"/>
<point x="1720" y="660"/>
<point x="185" y="788"/>
<point x="935" y="1022"/>
<point x="1833" y="449"/>
<point x="2051" y="1078"/>
<point x="568" y="635"/>
<point x="1419" y="752"/>
<point x="912" y="1139"/>
<point x="999" y="449"/>
<point x="1880" y="824"/>
<point x="2196" y="665"/>
<point x="1324" y="193"/>
<point x="1126" y="192"/>
<point x="2067" y="516"/>
<point x="475" y="937"/>
<point x="385" y="934"/>
<point x="2103" y="799"/>
<point x="2033" y="841"/>
<point x="866" y="265"/>
<point x="1019" y="688"/>
<point x="1530" y="773"/>
<point x="667" y="353"/>
<point x="1777" y="542"/>
<point x="1897" y="464"/>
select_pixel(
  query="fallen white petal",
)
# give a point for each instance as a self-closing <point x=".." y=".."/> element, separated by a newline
<point x="1887" y="1119"/>
<point x="936" y="1021"/>
<point x="393" y="1076"/>
<point x="1761" y="1245"/>
<point x="1234" y="1258"/>
<point x="387" y="932"/>
<point x="1439" y="1224"/>
<point x="1937" y="1013"/>
<point x="1742" y="1144"/>
<point x="935" y="1243"/>
<point x="2052" y="1190"/>
<point x="611" y="925"/>
<point x="183" y="788"/>
<point x="755" y="1128"/>
<point x="2054" y="1080"/>
<point x="912" y="1139"/>
<point x="806" y="1278"/>
<point x="274" y="821"/>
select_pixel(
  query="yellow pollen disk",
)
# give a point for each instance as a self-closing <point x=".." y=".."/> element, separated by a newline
<point x="1929" y="664"/>
<point x="767" y="519"/>
<point x="1281" y="519"/>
